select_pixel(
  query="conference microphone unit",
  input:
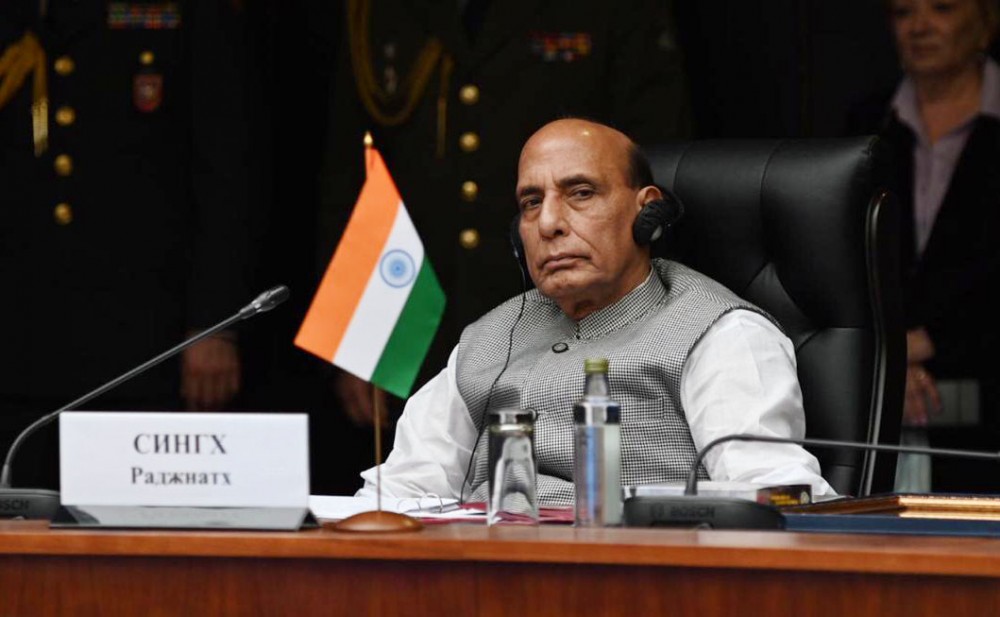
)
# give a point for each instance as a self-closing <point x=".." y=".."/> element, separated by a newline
<point x="693" y="510"/>
<point x="42" y="503"/>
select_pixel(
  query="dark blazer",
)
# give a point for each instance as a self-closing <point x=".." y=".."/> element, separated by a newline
<point x="152" y="236"/>
<point x="949" y="288"/>
<point x="530" y="62"/>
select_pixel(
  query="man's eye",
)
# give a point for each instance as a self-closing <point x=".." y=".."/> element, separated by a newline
<point x="529" y="203"/>
<point x="583" y="193"/>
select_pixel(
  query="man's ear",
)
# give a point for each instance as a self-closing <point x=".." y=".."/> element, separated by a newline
<point x="647" y="194"/>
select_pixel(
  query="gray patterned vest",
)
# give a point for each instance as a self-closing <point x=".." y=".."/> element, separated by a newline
<point x="646" y="336"/>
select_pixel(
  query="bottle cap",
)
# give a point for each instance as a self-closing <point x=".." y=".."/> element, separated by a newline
<point x="595" y="365"/>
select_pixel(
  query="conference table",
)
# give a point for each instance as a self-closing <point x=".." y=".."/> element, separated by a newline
<point x="470" y="569"/>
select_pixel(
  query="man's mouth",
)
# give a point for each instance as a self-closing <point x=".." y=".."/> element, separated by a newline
<point x="560" y="261"/>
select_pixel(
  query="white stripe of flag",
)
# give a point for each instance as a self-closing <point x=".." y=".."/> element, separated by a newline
<point x="381" y="304"/>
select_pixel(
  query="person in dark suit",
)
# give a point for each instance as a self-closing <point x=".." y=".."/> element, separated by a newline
<point x="127" y="218"/>
<point x="451" y="90"/>
<point x="944" y="125"/>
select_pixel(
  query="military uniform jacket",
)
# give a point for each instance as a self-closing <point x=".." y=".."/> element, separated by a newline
<point x="501" y="75"/>
<point x="132" y="226"/>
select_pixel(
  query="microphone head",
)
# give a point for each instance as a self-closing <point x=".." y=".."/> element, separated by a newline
<point x="267" y="301"/>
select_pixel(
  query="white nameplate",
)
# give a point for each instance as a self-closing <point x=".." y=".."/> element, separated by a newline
<point x="224" y="460"/>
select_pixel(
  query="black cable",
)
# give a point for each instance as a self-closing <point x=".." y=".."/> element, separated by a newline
<point x="489" y="396"/>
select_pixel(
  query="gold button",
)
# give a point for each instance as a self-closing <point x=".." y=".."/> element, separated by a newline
<point x="63" y="164"/>
<point x="146" y="58"/>
<point x="65" y="115"/>
<point x="470" y="190"/>
<point x="63" y="214"/>
<point x="469" y="94"/>
<point x="469" y="238"/>
<point x="64" y="65"/>
<point x="469" y="142"/>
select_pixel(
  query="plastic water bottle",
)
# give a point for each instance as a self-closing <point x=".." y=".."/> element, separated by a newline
<point x="597" y="451"/>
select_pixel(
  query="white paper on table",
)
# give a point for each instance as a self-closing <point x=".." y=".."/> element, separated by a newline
<point x="336" y="507"/>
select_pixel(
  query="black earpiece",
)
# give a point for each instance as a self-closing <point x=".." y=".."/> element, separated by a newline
<point x="656" y="217"/>
<point x="516" y="245"/>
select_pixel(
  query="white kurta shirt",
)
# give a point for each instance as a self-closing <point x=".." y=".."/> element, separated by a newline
<point x="740" y="378"/>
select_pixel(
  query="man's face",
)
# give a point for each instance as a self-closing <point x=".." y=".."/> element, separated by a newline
<point x="577" y="210"/>
<point x="938" y="37"/>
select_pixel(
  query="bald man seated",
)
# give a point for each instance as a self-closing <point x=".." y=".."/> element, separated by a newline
<point x="689" y="360"/>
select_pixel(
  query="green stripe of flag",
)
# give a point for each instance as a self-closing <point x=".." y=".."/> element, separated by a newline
<point x="404" y="352"/>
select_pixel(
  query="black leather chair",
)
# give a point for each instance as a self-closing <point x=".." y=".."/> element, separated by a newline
<point x="804" y="230"/>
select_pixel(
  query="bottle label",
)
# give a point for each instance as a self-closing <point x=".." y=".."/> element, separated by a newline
<point x="597" y="475"/>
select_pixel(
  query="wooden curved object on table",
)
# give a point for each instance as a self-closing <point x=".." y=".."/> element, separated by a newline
<point x="376" y="521"/>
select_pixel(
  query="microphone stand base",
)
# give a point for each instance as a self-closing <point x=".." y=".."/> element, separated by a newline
<point x="376" y="521"/>
<point x="700" y="512"/>
<point x="28" y="503"/>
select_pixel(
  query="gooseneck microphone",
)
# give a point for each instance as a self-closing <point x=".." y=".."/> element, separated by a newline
<point x="42" y="503"/>
<point x="693" y="510"/>
<point x="691" y="488"/>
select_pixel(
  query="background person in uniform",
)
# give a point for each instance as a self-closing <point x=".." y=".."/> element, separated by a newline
<point x="127" y="213"/>
<point x="944" y="123"/>
<point x="450" y="91"/>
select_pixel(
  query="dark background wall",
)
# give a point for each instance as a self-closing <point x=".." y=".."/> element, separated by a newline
<point x="783" y="68"/>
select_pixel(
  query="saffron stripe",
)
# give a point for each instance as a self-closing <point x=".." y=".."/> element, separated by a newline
<point x="353" y="263"/>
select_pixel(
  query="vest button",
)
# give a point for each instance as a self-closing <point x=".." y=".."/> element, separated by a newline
<point x="146" y="58"/>
<point x="560" y="347"/>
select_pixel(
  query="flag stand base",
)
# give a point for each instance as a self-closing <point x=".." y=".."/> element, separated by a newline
<point x="376" y="521"/>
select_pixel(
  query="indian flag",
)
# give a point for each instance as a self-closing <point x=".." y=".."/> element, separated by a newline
<point x="379" y="304"/>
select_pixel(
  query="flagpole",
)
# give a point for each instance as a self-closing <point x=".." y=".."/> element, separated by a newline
<point x="376" y="404"/>
<point x="368" y="142"/>
<point x="377" y="520"/>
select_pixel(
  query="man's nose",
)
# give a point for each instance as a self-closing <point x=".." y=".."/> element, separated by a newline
<point x="552" y="218"/>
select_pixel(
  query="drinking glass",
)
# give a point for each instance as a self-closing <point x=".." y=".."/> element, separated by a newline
<point x="512" y="471"/>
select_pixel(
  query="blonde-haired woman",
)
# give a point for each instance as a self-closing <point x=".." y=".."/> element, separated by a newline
<point x="944" y="123"/>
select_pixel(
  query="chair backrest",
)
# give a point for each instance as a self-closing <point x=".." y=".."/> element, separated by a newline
<point x="805" y="230"/>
